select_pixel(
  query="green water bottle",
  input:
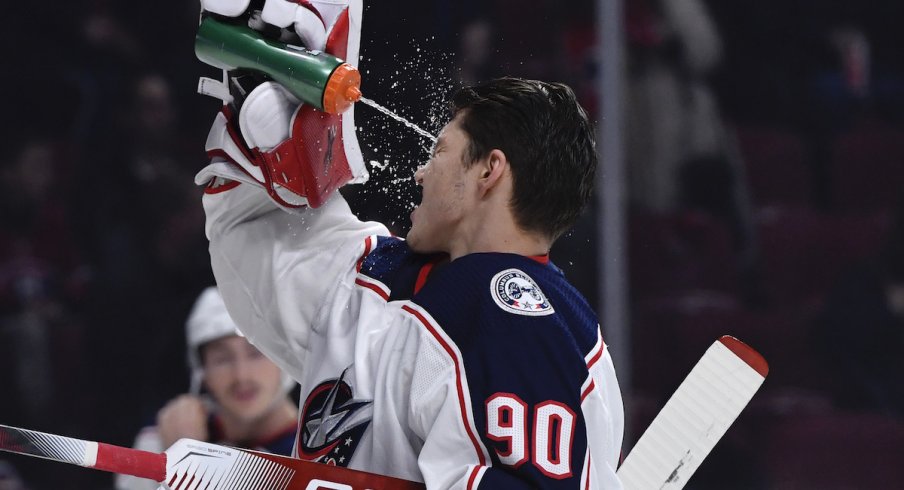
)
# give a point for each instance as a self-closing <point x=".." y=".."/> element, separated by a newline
<point x="317" y="78"/>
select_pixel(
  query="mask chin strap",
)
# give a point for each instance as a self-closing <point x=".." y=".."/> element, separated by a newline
<point x="214" y="88"/>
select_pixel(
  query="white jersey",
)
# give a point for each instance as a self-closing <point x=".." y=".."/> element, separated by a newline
<point x="489" y="371"/>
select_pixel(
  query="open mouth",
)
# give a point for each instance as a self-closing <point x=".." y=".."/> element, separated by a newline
<point x="245" y="394"/>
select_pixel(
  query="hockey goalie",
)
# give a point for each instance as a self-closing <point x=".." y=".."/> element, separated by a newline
<point x="460" y="356"/>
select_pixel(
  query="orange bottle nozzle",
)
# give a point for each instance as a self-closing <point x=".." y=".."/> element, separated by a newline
<point x="353" y="94"/>
<point x="342" y="89"/>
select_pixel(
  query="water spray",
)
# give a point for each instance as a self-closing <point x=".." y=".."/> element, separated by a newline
<point x="317" y="78"/>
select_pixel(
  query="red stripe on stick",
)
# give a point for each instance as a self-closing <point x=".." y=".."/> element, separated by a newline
<point x="127" y="461"/>
<point x="179" y="485"/>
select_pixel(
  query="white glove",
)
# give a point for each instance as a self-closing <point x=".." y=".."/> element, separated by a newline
<point x="304" y="17"/>
<point x="298" y="154"/>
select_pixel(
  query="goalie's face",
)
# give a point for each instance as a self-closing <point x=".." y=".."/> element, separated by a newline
<point x="439" y="221"/>
<point x="240" y="378"/>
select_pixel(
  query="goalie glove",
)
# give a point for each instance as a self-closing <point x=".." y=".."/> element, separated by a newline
<point x="266" y="137"/>
<point x="310" y="20"/>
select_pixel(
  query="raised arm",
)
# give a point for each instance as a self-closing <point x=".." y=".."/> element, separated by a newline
<point x="276" y="258"/>
<point x="276" y="269"/>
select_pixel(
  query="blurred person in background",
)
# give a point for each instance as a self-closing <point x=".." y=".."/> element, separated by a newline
<point x="860" y="332"/>
<point x="672" y="114"/>
<point x="680" y="159"/>
<point x="477" y="58"/>
<point x="42" y="278"/>
<point x="150" y="255"/>
<point x="9" y="478"/>
<point x="237" y="396"/>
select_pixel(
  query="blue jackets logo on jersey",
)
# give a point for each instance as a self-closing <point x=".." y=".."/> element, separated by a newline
<point x="515" y="292"/>
<point x="333" y="423"/>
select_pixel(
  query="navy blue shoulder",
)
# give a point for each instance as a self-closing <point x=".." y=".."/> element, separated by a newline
<point x="391" y="262"/>
<point x="515" y="295"/>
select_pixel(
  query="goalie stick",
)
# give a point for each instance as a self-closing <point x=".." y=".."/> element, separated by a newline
<point x="696" y="416"/>
<point x="193" y="465"/>
<point x="680" y="437"/>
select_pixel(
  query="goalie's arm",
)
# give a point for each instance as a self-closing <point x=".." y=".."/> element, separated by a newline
<point x="276" y="270"/>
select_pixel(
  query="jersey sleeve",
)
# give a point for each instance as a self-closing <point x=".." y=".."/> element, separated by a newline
<point x="278" y="272"/>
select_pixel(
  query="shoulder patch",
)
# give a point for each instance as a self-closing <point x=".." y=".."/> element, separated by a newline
<point x="515" y="292"/>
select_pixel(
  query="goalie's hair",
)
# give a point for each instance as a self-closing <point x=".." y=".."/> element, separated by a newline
<point x="546" y="136"/>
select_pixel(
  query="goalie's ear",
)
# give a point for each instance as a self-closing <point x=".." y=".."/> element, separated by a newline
<point x="491" y="170"/>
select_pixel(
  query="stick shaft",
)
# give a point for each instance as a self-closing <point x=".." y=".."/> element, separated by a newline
<point x="89" y="454"/>
<point x="189" y="464"/>
<point x="680" y="437"/>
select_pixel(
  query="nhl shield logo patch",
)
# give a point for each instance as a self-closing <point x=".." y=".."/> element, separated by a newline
<point x="515" y="292"/>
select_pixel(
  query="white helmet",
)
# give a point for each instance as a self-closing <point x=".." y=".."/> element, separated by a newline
<point x="209" y="321"/>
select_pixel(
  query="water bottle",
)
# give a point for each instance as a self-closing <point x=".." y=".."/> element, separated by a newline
<point x="317" y="78"/>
